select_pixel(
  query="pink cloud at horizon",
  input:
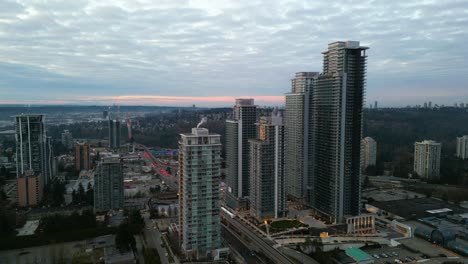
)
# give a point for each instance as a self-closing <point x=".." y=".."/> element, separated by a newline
<point x="155" y="100"/>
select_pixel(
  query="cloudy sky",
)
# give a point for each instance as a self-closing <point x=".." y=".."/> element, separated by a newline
<point x="179" y="52"/>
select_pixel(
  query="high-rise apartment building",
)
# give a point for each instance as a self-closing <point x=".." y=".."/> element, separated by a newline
<point x="462" y="147"/>
<point x="200" y="172"/>
<point x="108" y="185"/>
<point x="337" y="102"/>
<point x="29" y="189"/>
<point x="82" y="161"/>
<point x="49" y="171"/>
<point x="267" y="194"/>
<point x="238" y="132"/>
<point x="368" y="152"/>
<point x="114" y="134"/>
<point x="298" y="135"/>
<point x="33" y="147"/>
<point x="67" y="139"/>
<point x="427" y="159"/>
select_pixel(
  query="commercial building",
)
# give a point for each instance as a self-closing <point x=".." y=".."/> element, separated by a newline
<point x="298" y="135"/>
<point x="67" y="139"/>
<point x="82" y="161"/>
<point x="427" y="159"/>
<point x="337" y="102"/>
<point x="200" y="172"/>
<point x="462" y="147"/>
<point x="33" y="148"/>
<point x="368" y="152"/>
<point x="114" y="134"/>
<point x="267" y="182"/>
<point x="238" y="132"/>
<point x="108" y="185"/>
<point x="29" y="189"/>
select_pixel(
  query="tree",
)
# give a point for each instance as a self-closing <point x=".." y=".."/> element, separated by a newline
<point x="366" y="182"/>
<point x="81" y="193"/>
<point x="74" y="198"/>
<point x="136" y="218"/>
<point x="445" y="197"/>
<point x="124" y="240"/>
<point x="7" y="221"/>
<point x="89" y="197"/>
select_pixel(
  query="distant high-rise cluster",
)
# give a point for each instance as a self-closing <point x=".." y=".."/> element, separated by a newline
<point x="322" y="141"/>
<point x="267" y="193"/>
<point x="238" y="132"/>
<point x="462" y="147"/>
<point x="200" y="173"/>
<point x="108" y="185"/>
<point x="427" y="159"/>
<point x="368" y="152"/>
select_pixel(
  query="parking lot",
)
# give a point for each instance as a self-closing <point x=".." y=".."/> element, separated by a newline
<point x="389" y="255"/>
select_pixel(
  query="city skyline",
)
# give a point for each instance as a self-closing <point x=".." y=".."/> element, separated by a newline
<point x="210" y="53"/>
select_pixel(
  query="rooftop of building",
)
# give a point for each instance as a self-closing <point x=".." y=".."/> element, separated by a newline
<point x="428" y="142"/>
<point x="390" y="195"/>
<point x="305" y="74"/>
<point x="199" y="131"/>
<point x="357" y="254"/>
<point x="349" y="44"/>
<point x="244" y="102"/>
<point x="113" y="255"/>
<point x="415" y="208"/>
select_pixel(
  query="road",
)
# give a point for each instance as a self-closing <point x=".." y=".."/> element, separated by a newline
<point x="153" y="239"/>
<point x="247" y="254"/>
<point x="169" y="179"/>
<point x="265" y="246"/>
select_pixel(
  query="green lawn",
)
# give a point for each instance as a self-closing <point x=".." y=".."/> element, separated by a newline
<point x="285" y="224"/>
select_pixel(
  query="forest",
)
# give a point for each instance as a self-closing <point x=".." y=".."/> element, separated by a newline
<point x="396" y="131"/>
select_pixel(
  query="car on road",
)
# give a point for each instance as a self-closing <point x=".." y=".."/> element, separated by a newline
<point x="376" y="256"/>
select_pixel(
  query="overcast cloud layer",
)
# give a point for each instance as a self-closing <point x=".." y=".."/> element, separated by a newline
<point x="144" y="52"/>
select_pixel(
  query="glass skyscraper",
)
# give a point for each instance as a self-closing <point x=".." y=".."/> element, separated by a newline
<point x="337" y="102"/>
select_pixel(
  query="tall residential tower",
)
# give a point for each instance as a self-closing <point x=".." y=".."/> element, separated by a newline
<point x="238" y="132"/>
<point x="108" y="185"/>
<point x="200" y="173"/>
<point x="267" y="182"/>
<point x="337" y="102"/>
<point x="427" y="159"/>
<point x="368" y="152"/>
<point x="33" y="147"/>
<point x="462" y="147"/>
<point x="82" y="161"/>
<point x="298" y="135"/>
<point x="114" y="134"/>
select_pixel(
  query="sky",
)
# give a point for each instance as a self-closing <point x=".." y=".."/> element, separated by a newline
<point x="206" y="52"/>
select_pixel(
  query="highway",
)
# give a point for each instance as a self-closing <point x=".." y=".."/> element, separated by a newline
<point x="265" y="246"/>
<point x="169" y="179"/>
